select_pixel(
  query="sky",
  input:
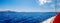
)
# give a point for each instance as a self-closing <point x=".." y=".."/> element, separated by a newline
<point x="30" y="5"/>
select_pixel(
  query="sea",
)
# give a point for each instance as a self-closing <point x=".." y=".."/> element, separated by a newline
<point x="25" y="17"/>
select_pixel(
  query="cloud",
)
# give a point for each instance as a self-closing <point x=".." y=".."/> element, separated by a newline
<point x="58" y="7"/>
<point x="52" y="6"/>
<point x="42" y="2"/>
<point x="58" y="10"/>
<point x="58" y="4"/>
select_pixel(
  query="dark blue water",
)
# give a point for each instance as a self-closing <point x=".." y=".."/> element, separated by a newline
<point x="25" y="17"/>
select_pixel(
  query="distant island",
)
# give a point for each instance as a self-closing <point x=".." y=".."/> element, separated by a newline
<point x="6" y="11"/>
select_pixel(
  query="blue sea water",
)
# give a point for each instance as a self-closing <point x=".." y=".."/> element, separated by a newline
<point x="25" y="17"/>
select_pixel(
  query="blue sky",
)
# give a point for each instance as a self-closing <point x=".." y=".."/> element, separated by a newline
<point x="30" y="5"/>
